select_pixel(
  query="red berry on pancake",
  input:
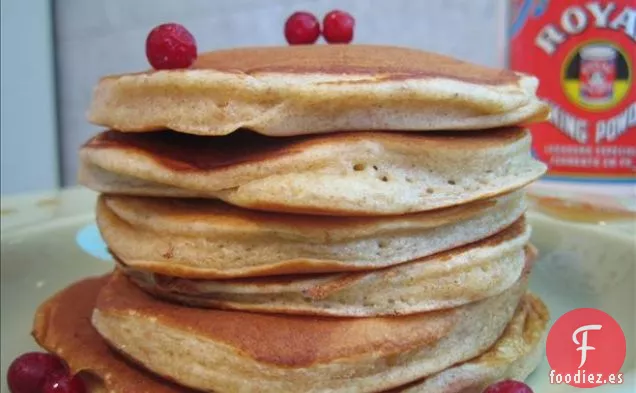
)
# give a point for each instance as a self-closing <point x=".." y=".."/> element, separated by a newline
<point x="508" y="386"/>
<point x="302" y="28"/>
<point x="170" y="46"/>
<point x="28" y="372"/>
<point x="338" y="27"/>
<point x="63" y="382"/>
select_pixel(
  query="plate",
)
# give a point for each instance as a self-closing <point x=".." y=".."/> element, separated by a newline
<point x="50" y="241"/>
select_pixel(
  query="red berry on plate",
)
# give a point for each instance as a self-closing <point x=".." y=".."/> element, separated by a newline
<point x="27" y="372"/>
<point x="338" y="27"/>
<point x="170" y="46"/>
<point x="302" y="28"/>
<point x="508" y="386"/>
<point x="63" y="382"/>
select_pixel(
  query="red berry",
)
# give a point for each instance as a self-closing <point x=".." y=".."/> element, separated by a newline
<point x="63" y="382"/>
<point x="170" y="46"/>
<point x="27" y="373"/>
<point x="508" y="386"/>
<point x="302" y="28"/>
<point x="338" y="27"/>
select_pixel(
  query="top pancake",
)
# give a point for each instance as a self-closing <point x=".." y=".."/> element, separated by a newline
<point x="292" y="90"/>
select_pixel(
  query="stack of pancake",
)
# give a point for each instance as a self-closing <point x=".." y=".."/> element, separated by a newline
<point x="325" y="218"/>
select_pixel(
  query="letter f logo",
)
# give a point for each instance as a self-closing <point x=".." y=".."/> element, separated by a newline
<point x="583" y="344"/>
<point x="574" y="329"/>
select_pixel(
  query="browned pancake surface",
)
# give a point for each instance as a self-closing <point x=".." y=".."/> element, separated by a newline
<point x="186" y="152"/>
<point x="63" y="326"/>
<point x="291" y="341"/>
<point x="67" y="331"/>
<point x="379" y="62"/>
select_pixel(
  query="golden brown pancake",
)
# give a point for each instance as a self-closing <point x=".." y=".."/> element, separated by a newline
<point x="515" y="356"/>
<point x="231" y="351"/>
<point x="444" y="280"/>
<point x="292" y="90"/>
<point x="350" y="174"/>
<point x="210" y="239"/>
<point x="62" y="326"/>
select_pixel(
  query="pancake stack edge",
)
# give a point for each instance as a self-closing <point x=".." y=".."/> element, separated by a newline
<point x="283" y="227"/>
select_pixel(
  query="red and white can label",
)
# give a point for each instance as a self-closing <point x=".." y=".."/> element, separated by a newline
<point x="583" y="54"/>
<point x="597" y="73"/>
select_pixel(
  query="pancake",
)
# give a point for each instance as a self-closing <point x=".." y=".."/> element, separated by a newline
<point x="232" y="351"/>
<point x="292" y="90"/>
<point x="444" y="280"/>
<point x="515" y="355"/>
<point x="350" y="174"/>
<point x="62" y="326"/>
<point x="209" y="239"/>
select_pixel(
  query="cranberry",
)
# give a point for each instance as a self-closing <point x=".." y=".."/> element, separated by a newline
<point x="508" y="386"/>
<point x="302" y="28"/>
<point x="27" y="373"/>
<point x="170" y="46"/>
<point x="63" y="382"/>
<point x="338" y="27"/>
